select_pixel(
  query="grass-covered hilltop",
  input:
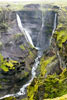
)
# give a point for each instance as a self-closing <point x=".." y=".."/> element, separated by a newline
<point x="17" y="56"/>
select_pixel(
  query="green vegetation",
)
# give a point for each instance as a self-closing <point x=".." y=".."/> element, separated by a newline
<point x="4" y="65"/>
<point x="51" y="87"/>
<point x="55" y="86"/>
<point x="61" y="37"/>
<point x="44" y="63"/>
<point x="22" y="47"/>
<point x="31" y="54"/>
<point x="47" y="86"/>
<point x="64" y="97"/>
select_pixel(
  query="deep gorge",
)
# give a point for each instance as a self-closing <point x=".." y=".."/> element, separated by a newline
<point x="17" y="55"/>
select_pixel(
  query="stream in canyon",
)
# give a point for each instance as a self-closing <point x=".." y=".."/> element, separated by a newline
<point x="40" y="52"/>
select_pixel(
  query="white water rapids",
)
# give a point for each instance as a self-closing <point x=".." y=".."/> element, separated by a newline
<point x="33" y="72"/>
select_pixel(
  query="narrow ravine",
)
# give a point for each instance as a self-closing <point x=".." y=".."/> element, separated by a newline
<point x="36" y="63"/>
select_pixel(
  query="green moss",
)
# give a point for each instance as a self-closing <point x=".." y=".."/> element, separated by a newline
<point x="51" y="87"/>
<point x="22" y="47"/>
<point x="63" y="74"/>
<point x="57" y="87"/>
<point x="64" y="97"/>
<point x="61" y="37"/>
<point x="32" y="89"/>
<point x="61" y="31"/>
<point x="25" y="99"/>
<point x="10" y="64"/>
<point x="5" y="66"/>
<point x="2" y="64"/>
<point x="44" y="63"/>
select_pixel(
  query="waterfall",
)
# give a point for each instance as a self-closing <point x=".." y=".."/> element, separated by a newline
<point x="24" y="31"/>
<point x="40" y="35"/>
<point x="55" y="20"/>
<point x="54" y="26"/>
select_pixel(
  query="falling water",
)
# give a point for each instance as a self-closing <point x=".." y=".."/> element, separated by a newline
<point x="40" y="34"/>
<point x="24" y="31"/>
<point x="54" y="27"/>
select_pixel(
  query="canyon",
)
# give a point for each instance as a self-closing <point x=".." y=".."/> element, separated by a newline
<point x="32" y="52"/>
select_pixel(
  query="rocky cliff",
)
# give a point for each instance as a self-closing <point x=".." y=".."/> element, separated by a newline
<point x="51" y="82"/>
<point x="51" y="79"/>
<point x="16" y="54"/>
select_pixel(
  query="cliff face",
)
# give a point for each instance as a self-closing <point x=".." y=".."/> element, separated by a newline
<point x="39" y="23"/>
<point x="16" y="54"/>
<point x="51" y="78"/>
<point x="51" y="82"/>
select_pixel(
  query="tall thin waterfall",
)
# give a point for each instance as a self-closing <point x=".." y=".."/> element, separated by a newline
<point x="55" y="19"/>
<point x="25" y="32"/>
<point x="40" y="34"/>
<point x="54" y="27"/>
